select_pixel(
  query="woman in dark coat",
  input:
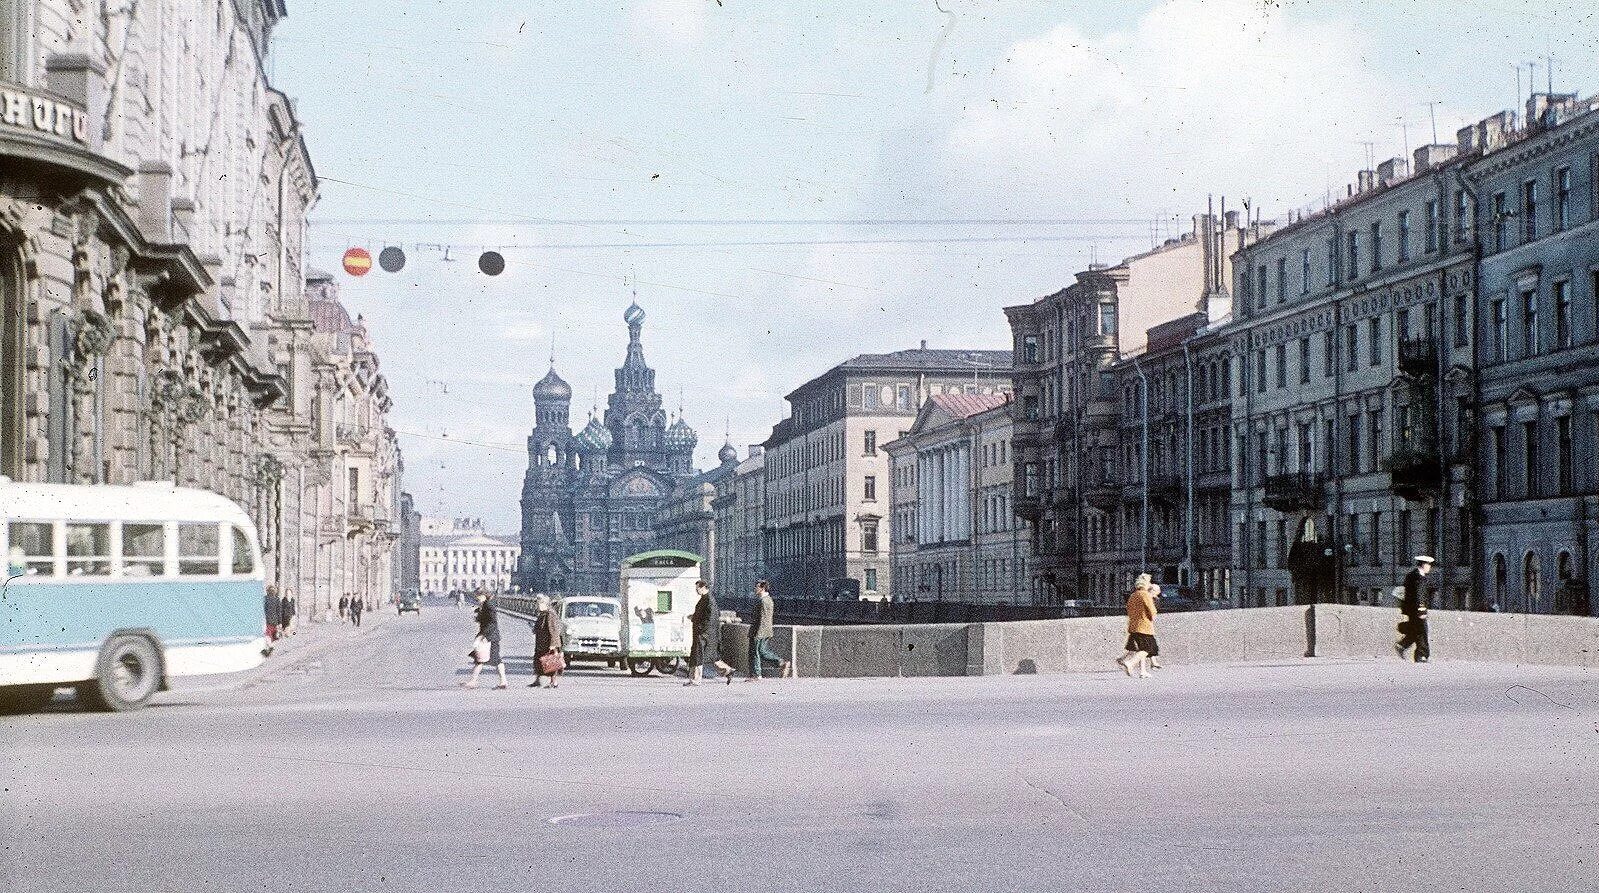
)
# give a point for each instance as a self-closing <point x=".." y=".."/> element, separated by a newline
<point x="707" y="625"/>
<point x="488" y="627"/>
<point x="546" y="640"/>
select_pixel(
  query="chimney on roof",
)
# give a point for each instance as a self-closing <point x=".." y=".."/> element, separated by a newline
<point x="756" y="450"/>
<point x="1365" y="181"/>
<point x="1547" y="109"/>
<point x="924" y="344"/>
<point x="1392" y="171"/>
<point x="1429" y="157"/>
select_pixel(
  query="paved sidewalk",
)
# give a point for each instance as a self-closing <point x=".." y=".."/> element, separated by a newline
<point x="289" y="654"/>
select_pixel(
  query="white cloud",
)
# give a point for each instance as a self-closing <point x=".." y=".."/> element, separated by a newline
<point x="1199" y="96"/>
<point x="671" y="25"/>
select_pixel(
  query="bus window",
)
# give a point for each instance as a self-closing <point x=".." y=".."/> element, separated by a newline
<point x="88" y="550"/>
<point x="144" y="549"/>
<point x="198" y="552"/>
<point x="31" y="548"/>
<point x="243" y="555"/>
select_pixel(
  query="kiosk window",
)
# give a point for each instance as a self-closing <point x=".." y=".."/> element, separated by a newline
<point x="144" y="549"/>
<point x="663" y="601"/>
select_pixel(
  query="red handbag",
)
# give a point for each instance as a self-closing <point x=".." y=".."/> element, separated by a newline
<point x="551" y="663"/>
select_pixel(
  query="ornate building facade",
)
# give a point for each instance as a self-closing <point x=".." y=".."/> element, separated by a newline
<point x="153" y="317"/>
<point x="591" y="499"/>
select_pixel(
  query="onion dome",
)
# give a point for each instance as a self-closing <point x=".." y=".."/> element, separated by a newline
<point x="552" y="387"/>
<point x="727" y="454"/>
<point x="634" y="315"/>
<point x="680" y="436"/>
<point x="594" y="438"/>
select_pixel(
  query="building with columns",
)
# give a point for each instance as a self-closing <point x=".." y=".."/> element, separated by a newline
<point x="956" y="537"/>
<point x="153" y="316"/>
<point x="827" y="493"/>
<point x="458" y="556"/>
<point x="738" y="508"/>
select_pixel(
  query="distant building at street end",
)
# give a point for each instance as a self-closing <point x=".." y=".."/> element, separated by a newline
<point x="955" y="535"/>
<point x="827" y="521"/>
<point x="591" y="499"/>
<point x="738" y="509"/>
<point x="458" y="556"/>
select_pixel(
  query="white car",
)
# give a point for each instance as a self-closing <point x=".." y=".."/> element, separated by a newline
<point x="591" y="628"/>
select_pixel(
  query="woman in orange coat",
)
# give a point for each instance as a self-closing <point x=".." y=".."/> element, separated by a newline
<point x="1141" y="646"/>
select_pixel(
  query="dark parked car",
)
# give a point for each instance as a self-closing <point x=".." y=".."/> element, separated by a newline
<point x="410" y="601"/>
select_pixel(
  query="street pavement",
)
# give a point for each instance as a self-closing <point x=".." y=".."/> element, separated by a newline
<point x="363" y="766"/>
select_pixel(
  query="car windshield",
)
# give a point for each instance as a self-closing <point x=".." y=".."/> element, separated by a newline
<point x="590" y="609"/>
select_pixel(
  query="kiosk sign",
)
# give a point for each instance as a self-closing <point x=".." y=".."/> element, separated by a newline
<point x="38" y="113"/>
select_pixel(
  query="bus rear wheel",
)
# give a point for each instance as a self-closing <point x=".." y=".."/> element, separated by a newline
<point x="15" y="699"/>
<point x="127" y="675"/>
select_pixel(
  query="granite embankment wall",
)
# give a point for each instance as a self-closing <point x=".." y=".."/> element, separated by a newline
<point x="1091" y="643"/>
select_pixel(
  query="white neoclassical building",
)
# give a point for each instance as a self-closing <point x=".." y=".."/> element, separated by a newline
<point x="457" y="556"/>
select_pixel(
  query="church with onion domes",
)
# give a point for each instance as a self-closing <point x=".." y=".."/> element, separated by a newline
<point x="590" y="499"/>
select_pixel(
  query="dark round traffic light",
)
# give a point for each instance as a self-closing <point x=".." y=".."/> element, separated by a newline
<point x="491" y="263"/>
<point x="392" y="259"/>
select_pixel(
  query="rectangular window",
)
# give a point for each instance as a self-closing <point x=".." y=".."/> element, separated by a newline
<point x="663" y="601"/>
<point x="198" y="552"/>
<point x="144" y="550"/>
<point x="1260" y="371"/>
<point x="871" y="579"/>
<point x="1304" y="271"/>
<point x="1352" y="255"/>
<point x="902" y="397"/>
<point x="1107" y="319"/>
<point x="1329" y="353"/>
<point x="1404" y="236"/>
<point x="869" y="538"/>
<point x="1529" y="459"/>
<point x="88" y="550"/>
<point x="1304" y="361"/>
<point x="1029" y="348"/>
<point x="1352" y="458"/>
<point x="1429" y="236"/>
<point x="1376" y="245"/>
<point x="1376" y="539"/>
<point x="1462" y="322"/>
<point x="1501" y="221"/>
<point x="1501" y="330"/>
<point x="1529" y="323"/>
<point x="1282" y="279"/>
<point x="1332" y="261"/>
<point x="1529" y="210"/>
<point x="32" y="549"/>
<point x="871" y="443"/>
<point x="1562" y="292"/>
<point x="1563" y="436"/>
<point x="1402" y="535"/>
<point x="1563" y="199"/>
<point x="1500" y="460"/>
<point x="1374" y="339"/>
<point x="870" y="493"/>
<point x="1260" y="289"/>
<point x="1282" y="365"/>
<point x="1374" y="421"/>
<point x="1351" y="347"/>
<point x="1462" y="215"/>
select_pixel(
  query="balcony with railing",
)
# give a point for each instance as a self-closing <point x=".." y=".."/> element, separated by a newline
<point x="1296" y="491"/>
<point x="1418" y="357"/>
<point x="1415" y="472"/>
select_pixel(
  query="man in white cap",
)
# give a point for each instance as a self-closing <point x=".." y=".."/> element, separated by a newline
<point x="1413" y="630"/>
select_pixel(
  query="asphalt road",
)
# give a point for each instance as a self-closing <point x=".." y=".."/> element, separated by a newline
<point x="367" y="768"/>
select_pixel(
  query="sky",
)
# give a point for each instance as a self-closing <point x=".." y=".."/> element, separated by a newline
<point x="787" y="185"/>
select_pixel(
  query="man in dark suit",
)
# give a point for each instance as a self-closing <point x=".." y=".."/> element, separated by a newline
<point x="1413" y="629"/>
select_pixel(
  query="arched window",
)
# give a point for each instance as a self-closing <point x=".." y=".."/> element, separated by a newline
<point x="1563" y="567"/>
<point x="1529" y="581"/>
<point x="1499" y="581"/>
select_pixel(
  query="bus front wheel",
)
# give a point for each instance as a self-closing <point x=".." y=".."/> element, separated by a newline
<point x="16" y="699"/>
<point x="127" y="674"/>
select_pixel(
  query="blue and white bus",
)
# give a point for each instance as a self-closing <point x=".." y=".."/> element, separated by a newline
<point x="115" y="589"/>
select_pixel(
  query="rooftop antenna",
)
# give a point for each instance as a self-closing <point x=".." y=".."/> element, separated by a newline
<point x="1517" y="103"/>
<point x="1432" y="112"/>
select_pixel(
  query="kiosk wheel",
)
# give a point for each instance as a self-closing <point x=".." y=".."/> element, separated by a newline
<point x="640" y="666"/>
<point x="666" y="666"/>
